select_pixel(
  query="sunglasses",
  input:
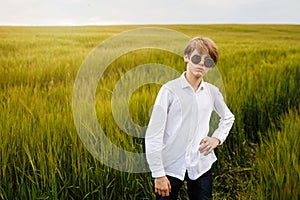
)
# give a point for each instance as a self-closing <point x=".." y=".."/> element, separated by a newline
<point x="208" y="61"/>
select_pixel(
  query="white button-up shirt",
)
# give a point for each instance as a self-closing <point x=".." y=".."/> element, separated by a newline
<point x="179" y="121"/>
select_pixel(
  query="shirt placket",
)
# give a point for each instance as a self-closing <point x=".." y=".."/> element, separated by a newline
<point x="193" y="128"/>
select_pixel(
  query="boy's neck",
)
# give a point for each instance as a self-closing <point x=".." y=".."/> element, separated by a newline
<point x="193" y="81"/>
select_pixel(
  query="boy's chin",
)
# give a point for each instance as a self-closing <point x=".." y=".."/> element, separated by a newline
<point x="198" y="74"/>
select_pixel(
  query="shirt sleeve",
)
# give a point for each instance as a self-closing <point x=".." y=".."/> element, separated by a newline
<point x="226" y="117"/>
<point x="155" y="133"/>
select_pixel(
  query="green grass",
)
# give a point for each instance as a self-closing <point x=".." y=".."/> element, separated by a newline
<point x="279" y="172"/>
<point x="42" y="156"/>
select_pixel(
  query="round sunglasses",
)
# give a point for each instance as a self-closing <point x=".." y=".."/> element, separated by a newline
<point x="208" y="61"/>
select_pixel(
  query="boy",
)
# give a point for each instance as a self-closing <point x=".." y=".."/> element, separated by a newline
<point x="177" y="145"/>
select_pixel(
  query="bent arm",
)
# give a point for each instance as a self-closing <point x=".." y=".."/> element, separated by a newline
<point x="226" y="117"/>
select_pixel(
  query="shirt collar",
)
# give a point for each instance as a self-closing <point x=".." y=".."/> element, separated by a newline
<point x="185" y="83"/>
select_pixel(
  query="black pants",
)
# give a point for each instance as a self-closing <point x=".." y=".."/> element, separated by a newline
<point x="199" y="189"/>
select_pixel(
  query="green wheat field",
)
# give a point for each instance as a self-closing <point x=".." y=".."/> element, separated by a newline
<point x="42" y="156"/>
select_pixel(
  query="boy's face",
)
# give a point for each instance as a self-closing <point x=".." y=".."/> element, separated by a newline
<point x="197" y="70"/>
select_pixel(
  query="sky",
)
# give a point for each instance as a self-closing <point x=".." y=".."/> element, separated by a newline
<point x="117" y="12"/>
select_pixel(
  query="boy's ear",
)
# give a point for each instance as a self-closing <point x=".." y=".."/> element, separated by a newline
<point x="186" y="58"/>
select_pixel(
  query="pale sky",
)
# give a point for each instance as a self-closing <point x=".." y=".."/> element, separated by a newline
<point x="100" y="12"/>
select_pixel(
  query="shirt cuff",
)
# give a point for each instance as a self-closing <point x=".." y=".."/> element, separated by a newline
<point x="216" y="135"/>
<point x="158" y="173"/>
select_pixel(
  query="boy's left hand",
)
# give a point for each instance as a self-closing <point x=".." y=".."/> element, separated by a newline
<point x="208" y="144"/>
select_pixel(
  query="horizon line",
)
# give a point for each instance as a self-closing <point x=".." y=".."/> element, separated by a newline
<point x="154" y="24"/>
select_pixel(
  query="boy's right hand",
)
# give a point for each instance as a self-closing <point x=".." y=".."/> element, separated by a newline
<point x="162" y="186"/>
